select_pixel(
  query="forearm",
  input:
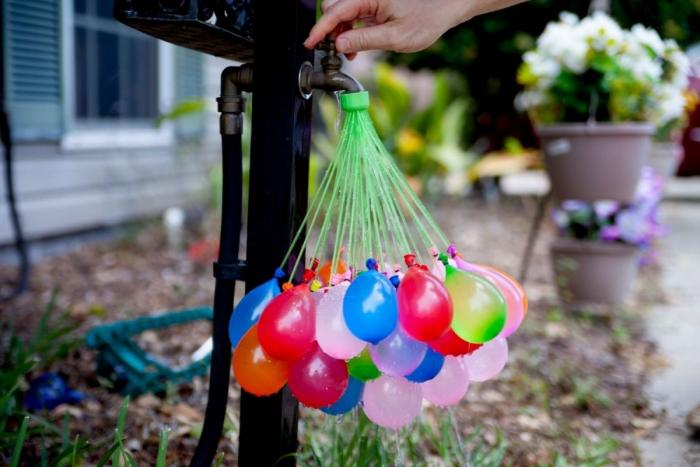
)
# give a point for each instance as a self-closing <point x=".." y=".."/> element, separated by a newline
<point x="472" y="8"/>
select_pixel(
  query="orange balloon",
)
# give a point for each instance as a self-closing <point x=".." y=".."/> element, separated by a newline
<point x="325" y="272"/>
<point x="518" y="287"/>
<point x="257" y="373"/>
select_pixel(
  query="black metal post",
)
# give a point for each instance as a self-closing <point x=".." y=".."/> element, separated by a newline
<point x="278" y="196"/>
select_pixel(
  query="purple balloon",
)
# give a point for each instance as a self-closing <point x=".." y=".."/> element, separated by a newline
<point x="391" y="402"/>
<point x="487" y="361"/>
<point x="398" y="354"/>
<point x="450" y="385"/>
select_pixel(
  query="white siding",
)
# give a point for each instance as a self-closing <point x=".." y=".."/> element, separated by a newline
<point x="61" y="192"/>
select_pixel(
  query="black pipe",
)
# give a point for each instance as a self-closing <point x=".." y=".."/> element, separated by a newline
<point x="219" y="376"/>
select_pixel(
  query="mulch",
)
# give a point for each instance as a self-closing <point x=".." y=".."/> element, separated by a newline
<point x="574" y="381"/>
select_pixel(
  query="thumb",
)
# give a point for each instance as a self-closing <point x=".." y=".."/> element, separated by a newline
<point x="381" y="37"/>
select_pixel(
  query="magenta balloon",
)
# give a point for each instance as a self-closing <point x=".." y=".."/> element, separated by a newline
<point x="332" y="334"/>
<point x="450" y="385"/>
<point x="398" y="354"/>
<point x="487" y="361"/>
<point x="391" y="402"/>
<point x="509" y="290"/>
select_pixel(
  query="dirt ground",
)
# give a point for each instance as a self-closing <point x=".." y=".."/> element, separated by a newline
<point x="572" y="387"/>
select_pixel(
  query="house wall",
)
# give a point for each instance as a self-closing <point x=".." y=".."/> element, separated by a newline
<point x="99" y="179"/>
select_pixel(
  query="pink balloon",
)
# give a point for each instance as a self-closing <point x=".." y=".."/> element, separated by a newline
<point x="332" y="334"/>
<point x="391" y="402"/>
<point x="450" y="385"/>
<point x="510" y="291"/>
<point x="487" y="361"/>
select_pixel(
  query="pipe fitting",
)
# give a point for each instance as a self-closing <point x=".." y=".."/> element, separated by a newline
<point x="329" y="78"/>
<point x="231" y="103"/>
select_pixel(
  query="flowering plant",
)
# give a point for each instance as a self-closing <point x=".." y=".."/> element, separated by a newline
<point x="607" y="221"/>
<point x="592" y="69"/>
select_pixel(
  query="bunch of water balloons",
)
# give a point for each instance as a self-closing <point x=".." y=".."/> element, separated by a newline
<point x="386" y="321"/>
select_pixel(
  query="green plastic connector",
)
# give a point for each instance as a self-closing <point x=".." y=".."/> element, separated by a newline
<point x="353" y="101"/>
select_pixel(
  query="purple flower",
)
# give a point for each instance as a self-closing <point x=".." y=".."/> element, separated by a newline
<point x="632" y="226"/>
<point x="605" y="209"/>
<point x="610" y="233"/>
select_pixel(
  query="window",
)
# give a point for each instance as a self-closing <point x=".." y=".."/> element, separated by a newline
<point x="116" y="68"/>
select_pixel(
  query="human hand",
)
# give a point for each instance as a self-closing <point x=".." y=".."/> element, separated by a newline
<point x="397" y="25"/>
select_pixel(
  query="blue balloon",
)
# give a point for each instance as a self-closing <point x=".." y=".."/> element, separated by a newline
<point x="249" y="309"/>
<point x="350" y="398"/>
<point x="428" y="368"/>
<point x="370" y="307"/>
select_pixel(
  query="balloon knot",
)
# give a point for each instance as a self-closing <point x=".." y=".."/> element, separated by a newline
<point x="395" y="281"/>
<point x="308" y="275"/>
<point x="279" y="273"/>
<point x="433" y="251"/>
<point x="371" y="264"/>
<point x="443" y="259"/>
<point x="409" y="259"/>
<point x="315" y="285"/>
<point x="314" y="264"/>
<point x="452" y="250"/>
<point x="287" y="286"/>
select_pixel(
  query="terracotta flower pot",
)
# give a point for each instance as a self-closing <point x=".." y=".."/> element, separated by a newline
<point x="593" y="272"/>
<point x="591" y="162"/>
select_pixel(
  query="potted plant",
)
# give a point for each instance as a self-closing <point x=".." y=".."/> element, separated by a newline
<point x="596" y="93"/>
<point x="600" y="245"/>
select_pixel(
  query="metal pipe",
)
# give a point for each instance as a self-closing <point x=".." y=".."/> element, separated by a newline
<point x="234" y="80"/>
<point x="329" y="78"/>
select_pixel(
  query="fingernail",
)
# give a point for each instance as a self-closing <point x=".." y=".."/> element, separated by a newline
<point x="342" y="44"/>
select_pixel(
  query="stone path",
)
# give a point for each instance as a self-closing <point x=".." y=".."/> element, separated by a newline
<point x="676" y="328"/>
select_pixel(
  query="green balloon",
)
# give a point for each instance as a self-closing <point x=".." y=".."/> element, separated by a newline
<point x="479" y="308"/>
<point x="363" y="368"/>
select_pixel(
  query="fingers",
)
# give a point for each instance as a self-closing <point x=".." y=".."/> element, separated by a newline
<point x="339" y="11"/>
<point x="371" y="38"/>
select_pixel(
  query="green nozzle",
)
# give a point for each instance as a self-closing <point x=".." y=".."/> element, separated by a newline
<point x="350" y="101"/>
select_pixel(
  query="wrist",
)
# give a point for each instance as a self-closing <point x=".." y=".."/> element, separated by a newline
<point x="460" y="11"/>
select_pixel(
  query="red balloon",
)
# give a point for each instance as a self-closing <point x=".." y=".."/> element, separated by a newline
<point x="451" y="344"/>
<point x="317" y="379"/>
<point x="425" y="307"/>
<point x="287" y="326"/>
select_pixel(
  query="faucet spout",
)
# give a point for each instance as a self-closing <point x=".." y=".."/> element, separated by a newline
<point x="329" y="78"/>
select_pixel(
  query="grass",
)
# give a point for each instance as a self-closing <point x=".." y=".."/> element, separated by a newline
<point x="353" y="440"/>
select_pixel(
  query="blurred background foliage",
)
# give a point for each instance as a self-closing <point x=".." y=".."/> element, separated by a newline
<point x="427" y="141"/>
<point x="487" y="50"/>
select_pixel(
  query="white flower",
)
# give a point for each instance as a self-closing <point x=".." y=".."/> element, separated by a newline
<point x="568" y="18"/>
<point x="649" y="38"/>
<point x="670" y="104"/>
<point x="601" y="32"/>
<point x="546" y="69"/>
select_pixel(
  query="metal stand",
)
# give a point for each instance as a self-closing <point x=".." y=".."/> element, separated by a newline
<point x="278" y="196"/>
<point x="533" y="235"/>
